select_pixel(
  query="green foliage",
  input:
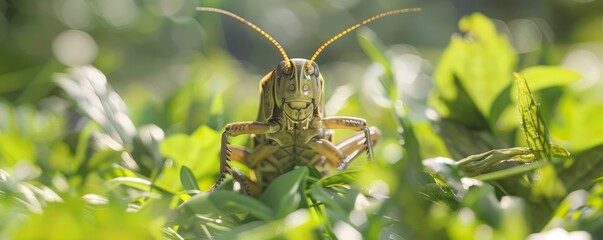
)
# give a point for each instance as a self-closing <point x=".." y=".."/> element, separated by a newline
<point x="480" y="61"/>
<point x="80" y="166"/>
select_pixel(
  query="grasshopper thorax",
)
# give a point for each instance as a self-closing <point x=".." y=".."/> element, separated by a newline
<point x="297" y="89"/>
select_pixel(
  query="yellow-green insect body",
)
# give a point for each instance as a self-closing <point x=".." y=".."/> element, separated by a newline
<point x="291" y="128"/>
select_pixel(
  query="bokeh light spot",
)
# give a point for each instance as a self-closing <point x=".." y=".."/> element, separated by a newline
<point x="121" y="14"/>
<point x="73" y="13"/>
<point x="74" y="48"/>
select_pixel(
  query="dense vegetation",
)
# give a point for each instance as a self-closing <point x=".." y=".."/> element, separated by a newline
<point x="498" y="146"/>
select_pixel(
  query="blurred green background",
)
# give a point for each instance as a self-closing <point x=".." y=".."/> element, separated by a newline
<point x="191" y="72"/>
<point x="150" y="50"/>
<point x="153" y="47"/>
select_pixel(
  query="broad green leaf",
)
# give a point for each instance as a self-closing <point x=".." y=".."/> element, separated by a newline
<point x="534" y="127"/>
<point x="541" y="77"/>
<point x="586" y="166"/>
<point x="466" y="111"/>
<point x="222" y="203"/>
<point x="481" y="60"/>
<point x="579" y="123"/>
<point x="463" y="141"/>
<point x="187" y="178"/>
<point x="286" y="192"/>
<point x="198" y="151"/>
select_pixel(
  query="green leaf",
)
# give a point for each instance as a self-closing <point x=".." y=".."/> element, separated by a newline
<point x="103" y="159"/>
<point x="216" y="112"/>
<point x="534" y="127"/>
<point x="222" y="203"/>
<point x="462" y="141"/>
<point x="373" y="47"/>
<point x="480" y="163"/>
<point x="579" y="123"/>
<point x="189" y="182"/>
<point x="580" y="209"/>
<point x="481" y="60"/>
<point x="198" y="151"/>
<point x="446" y="173"/>
<point x="134" y="182"/>
<point x="586" y="166"/>
<point x="14" y="148"/>
<point x="299" y="225"/>
<point x="286" y="192"/>
<point x="339" y="178"/>
<point x="541" y="77"/>
<point x="375" y="50"/>
<point x="466" y="111"/>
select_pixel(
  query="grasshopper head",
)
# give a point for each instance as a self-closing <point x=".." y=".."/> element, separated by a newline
<point x="297" y="89"/>
<point x="298" y="85"/>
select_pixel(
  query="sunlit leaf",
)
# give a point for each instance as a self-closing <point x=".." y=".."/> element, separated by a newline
<point x="580" y="209"/>
<point x="298" y="225"/>
<point x="198" y="151"/>
<point x="373" y="47"/>
<point x="285" y="193"/>
<point x="189" y="182"/>
<point x="14" y="148"/>
<point x="339" y="178"/>
<point x="534" y="127"/>
<point x="541" y="77"/>
<point x="481" y="60"/>
<point x="578" y="122"/>
<point x="223" y="202"/>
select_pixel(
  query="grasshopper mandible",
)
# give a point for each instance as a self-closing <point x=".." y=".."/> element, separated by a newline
<point x="291" y="128"/>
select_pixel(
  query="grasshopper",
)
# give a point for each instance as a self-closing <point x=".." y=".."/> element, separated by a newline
<point x="291" y="128"/>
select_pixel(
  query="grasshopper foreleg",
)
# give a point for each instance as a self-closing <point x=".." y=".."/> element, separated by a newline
<point x="235" y="129"/>
<point x="356" y="124"/>
<point x="357" y="143"/>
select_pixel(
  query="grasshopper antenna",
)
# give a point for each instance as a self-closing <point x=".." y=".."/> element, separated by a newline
<point x="251" y="25"/>
<point x="352" y="28"/>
